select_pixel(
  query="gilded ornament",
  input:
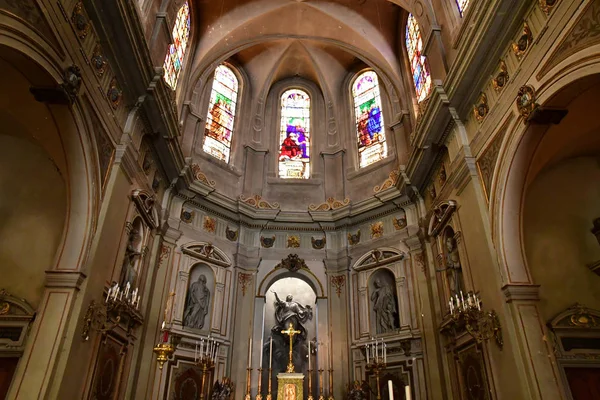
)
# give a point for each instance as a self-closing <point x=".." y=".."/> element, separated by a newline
<point x="231" y="235"/>
<point x="267" y="242"/>
<point x="501" y="79"/>
<point x="200" y="176"/>
<point x="243" y="281"/>
<point x="80" y="21"/>
<point x="547" y="5"/>
<point x="330" y="204"/>
<point x="354" y="239"/>
<point x="389" y="182"/>
<point x="481" y="109"/>
<point x="187" y="216"/>
<point x="99" y="61"/>
<point x="582" y="317"/>
<point x="338" y="282"/>
<point x="526" y="101"/>
<point x="114" y="94"/>
<point x="432" y="192"/>
<point x="399" y="223"/>
<point x="318" y="244"/>
<point x="72" y="82"/>
<point x="443" y="176"/>
<point x="256" y="201"/>
<point x="377" y="230"/>
<point x="292" y="263"/>
<point x="522" y="44"/>
<point x="210" y="224"/>
<point x="293" y="241"/>
<point x="4" y="308"/>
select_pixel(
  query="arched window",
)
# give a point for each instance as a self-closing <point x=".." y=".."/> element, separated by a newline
<point x="369" y="119"/>
<point x="462" y="6"/>
<point x="294" y="136"/>
<point x="221" y="114"/>
<point x="176" y="53"/>
<point x="418" y="62"/>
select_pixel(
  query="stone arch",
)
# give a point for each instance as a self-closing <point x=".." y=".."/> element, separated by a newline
<point x="278" y="273"/>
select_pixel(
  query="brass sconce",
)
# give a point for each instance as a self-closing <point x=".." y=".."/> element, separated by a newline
<point x="481" y="325"/>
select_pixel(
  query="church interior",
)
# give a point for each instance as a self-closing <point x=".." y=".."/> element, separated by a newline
<point x="300" y="199"/>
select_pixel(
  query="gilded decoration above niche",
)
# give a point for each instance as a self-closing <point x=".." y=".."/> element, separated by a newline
<point x="502" y="77"/>
<point x="293" y="241"/>
<point x="521" y="46"/>
<point x="526" y="101"/>
<point x="256" y="201"/>
<point x="330" y="204"/>
<point x="481" y="109"/>
<point x="292" y="263"/>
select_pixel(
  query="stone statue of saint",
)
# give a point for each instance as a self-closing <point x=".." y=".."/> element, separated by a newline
<point x="291" y="311"/>
<point x="197" y="303"/>
<point x="384" y="305"/>
<point x="128" y="270"/>
<point x="453" y="268"/>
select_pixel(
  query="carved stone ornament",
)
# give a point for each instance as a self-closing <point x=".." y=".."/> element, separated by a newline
<point x="200" y="176"/>
<point x="521" y="46"/>
<point x="293" y="241"/>
<point x="231" y="235"/>
<point x="267" y="242"/>
<point x="330" y="204"/>
<point x="376" y="230"/>
<point x="443" y="177"/>
<point x="501" y="79"/>
<point x="440" y="216"/>
<point x="389" y="182"/>
<point x="164" y="254"/>
<point x="16" y="315"/>
<point x="144" y="202"/>
<point x="481" y="109"/>
<point x="432" y="192"/>
<point x="338" y="282"/>
<point x="354" y="239"/>
<point x="399" y="223"/>
<point x="318" y="244"/>
<point x="114" y="94"/>
<point x="187" y="216"/>
<point x="547" y="5"/>
<point x="256" y="201"/>
<point x="99" y="61"/>
<point x="72" y="82"/>
<point x="293" y="263"/>
<point x="526" y="101"/>
<point x="80" y="21"/>
<point x="577" y="316"/>
<point x="243" y="281"/>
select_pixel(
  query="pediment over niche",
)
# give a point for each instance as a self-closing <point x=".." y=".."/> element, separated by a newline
<point x="377" y="257"/>
<point x="15" y="317"/>
<point x="441" y="215"/>
<point x="144" y="202"/>
<point x="576" y="317"/>
<point x="206" y="252"/>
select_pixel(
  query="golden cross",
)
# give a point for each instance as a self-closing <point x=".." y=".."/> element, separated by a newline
<point x="290" y="332"/>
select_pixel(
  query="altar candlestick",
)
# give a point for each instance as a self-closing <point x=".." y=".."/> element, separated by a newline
<point x="308" y="355"/>
<point x="261" y="353"/>
<point x="271" y="353"/>
<point x="407" y="392"/>
<point x="250" y="354"/>
<point x="367" y="352"/>
<point x="385" y="355"/>
<point x="391" y="390"/>
<point x="196" y="352"/>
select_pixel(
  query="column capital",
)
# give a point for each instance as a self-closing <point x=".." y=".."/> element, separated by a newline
<point x="525" y="292"/>
<point x="64" y="279"/>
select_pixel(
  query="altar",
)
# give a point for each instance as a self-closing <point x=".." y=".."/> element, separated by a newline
<point x="290" y="386"/>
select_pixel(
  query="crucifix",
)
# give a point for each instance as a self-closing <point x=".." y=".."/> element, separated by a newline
<point x="290" y="332"/>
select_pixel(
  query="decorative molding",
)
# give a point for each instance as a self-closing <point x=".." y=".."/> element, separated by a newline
<point x="354" y="239"/>
<point x="338" y="282"/>
<point x="547" y="5"/>
<point x="318" y="244"/>
<point x="330" y="204"/>
<point x="144" y="203"/>
<point x="187" y="216"/>
<point x="526" y="101"/>
<point x="521" y="46"/>
<point x="114" y="94"/>
<point x="389" y="182"/>
<point x="243" y="281"/>
<point x="256" y="201"/>
<point x="64" y="279"/>
<point x="80" y="21"/>
<point x="293" y="263"/>
<point x="502" y="77"/>
<point x="399" y="223"/>
<point x="481" y="109"/>
<point x="293" y="241"/>
<point x="200" y="176"/>
<point x="486" y="163"/>
<point x="440" y="216"/>
<point x="521" y="293"/>
<point x="377" y="230"/>
<point x="267" y="242"/>
<point x="232" y="235"/>
<point x="99" y="61"/>
<point x="206" y="252"/>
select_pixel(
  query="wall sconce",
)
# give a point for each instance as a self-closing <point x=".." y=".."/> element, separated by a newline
<point x="481" y="325"/>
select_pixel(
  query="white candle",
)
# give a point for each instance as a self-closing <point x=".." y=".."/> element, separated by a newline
<point x="385" y="354"/>
<point x="271" y="354"/>
<point x="407" y="392"/>
<point x="250" y="354"/>
<point x="367" y="352"/>
<point x="108" y="294"/>
<point x="390" y="390"/>
<point x="196" y="352"/>
<point x="261" y="353"/>
<point x="308" y="355"/>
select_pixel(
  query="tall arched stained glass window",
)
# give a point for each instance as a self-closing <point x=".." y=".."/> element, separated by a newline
<point x="462" y="6"/>
<point x="294" y="136"/>
<point x="176" y="53"/>
<point x="221" y="114"/>
<point x="418" y="62"/>
<point x="369" y="119"/>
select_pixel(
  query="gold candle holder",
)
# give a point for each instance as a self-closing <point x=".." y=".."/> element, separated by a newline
<point x="163" y="351"/>
<point x="269" y="397"/>
<point x="310" y="396"/>
<point x="377" y="366"/>
<point x="206" y="364"/>
<point x="321" y="397"/>
<point x="259" y="394"/>
<point x="248" y="396"/>
<point x="330" y="384"/>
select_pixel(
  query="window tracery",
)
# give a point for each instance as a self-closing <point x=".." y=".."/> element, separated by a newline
<point x="370" y="130"/>
<point x="221" y="114"/>
<point x="462" y="6"/>
<point x="176" y="53"/>
<point x="294" y="137"/>
<point x="418" y="62"/>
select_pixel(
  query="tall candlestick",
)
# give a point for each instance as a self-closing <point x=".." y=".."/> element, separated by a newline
<point x="250" y="354"/>
<point x="391" y="390"/>
<point x="261" y="353"/>
<point x="367" y="352"/>
<point x="407" y="392"/>
<point x="271" y="353"/>
<point x="308" y="355"/>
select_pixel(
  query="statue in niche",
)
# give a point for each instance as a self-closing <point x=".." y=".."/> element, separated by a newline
<point x="291" y="311"/>
<point x="453" y="268"/>
<point x="384" y="305"/>
<point x="128" y="271"/>
<point x="197" y="303"/>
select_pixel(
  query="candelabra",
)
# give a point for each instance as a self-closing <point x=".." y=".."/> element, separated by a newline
<point x="321" y="397"/>
<point x="259" y="394"/>
<point x="310" y="396"/>
<point x="165" y="349"/>
<point x="330" y="384"/>
<point x="248" y="396"/>
<point x="376" y="354"/>
<point x="269" y="396"/>
<point x="205" y="357"/>
<point x="119" y="304"/>
<point x="481" y="325"/>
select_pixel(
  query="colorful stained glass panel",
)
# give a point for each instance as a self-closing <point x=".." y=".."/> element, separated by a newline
<point x="221" y="114"/>
<point x="462" y="6"/>
<point x="418" y="62"/>
<point x="294" y="149"/>
<point x="175" y="54"/>
<point x="370" y="129"/>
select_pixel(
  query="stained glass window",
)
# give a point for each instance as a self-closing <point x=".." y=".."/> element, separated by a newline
<point x="221" y="113"/>
<point x="369" y="119"/>
<point x="181" y="34"/>
<point x="418" y="62"/>
<point x="294" y="137"/>
<point x="462" y="6"/>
